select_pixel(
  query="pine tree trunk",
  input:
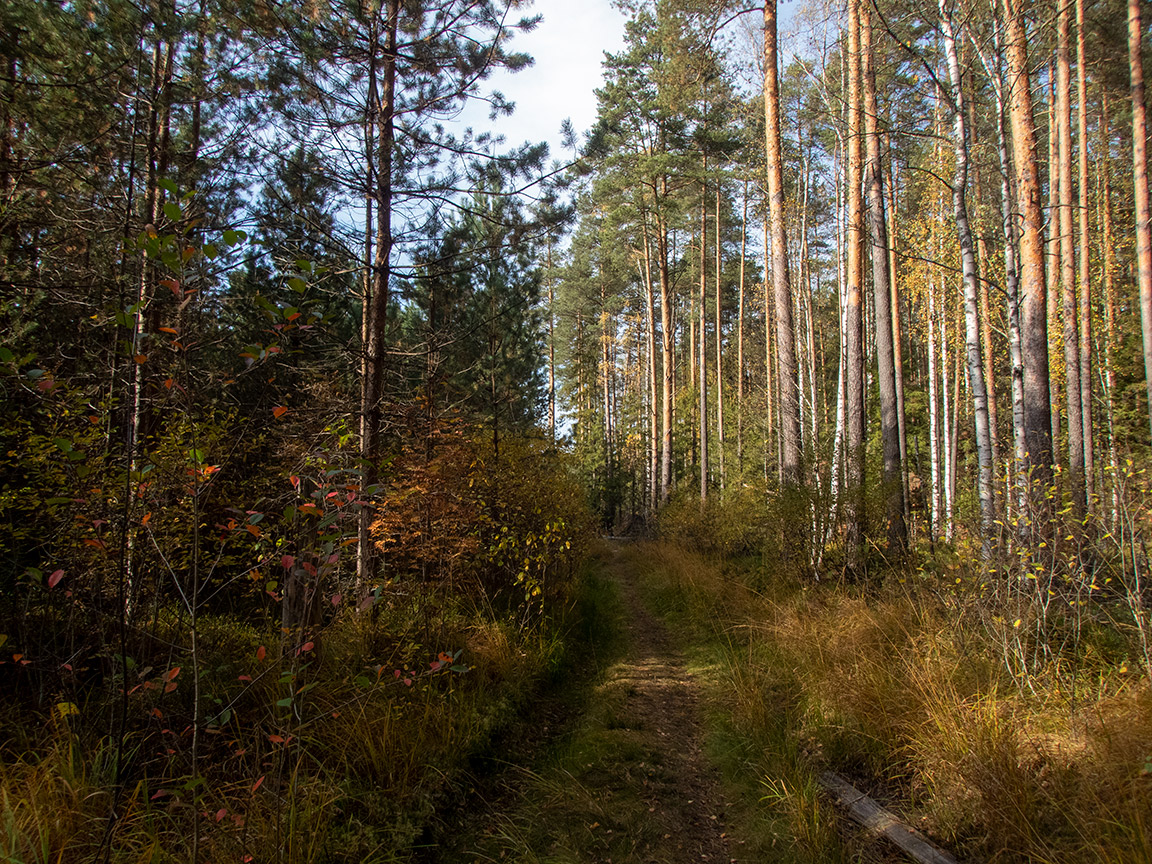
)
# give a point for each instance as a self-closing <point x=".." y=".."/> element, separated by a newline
<point x="898" y="342"/>
<point x="770" y="396"/>
<point x="933" y="414"/>
<point x="1052" y="258"/>
<point x="1011" y="280"/>
<point x="653" y="395"/>
<point x="740" y="343"/>
<point x="1085" y="295"/>
<point x="854" y="317"/>
<point x="719" y="347"/>
<point x="667" y="366"/>
<point x="1108" y="258"/>
<point x="552" y="348"/>
<point x="1034" y="318"/>
<point x="376" y="303"/>
<point x="1140" y="181"/>
<point x="789" y="427"/>
<point x="1069" y="308"/>
<point x="703" y="327"/>
<point x="897" y="533"/>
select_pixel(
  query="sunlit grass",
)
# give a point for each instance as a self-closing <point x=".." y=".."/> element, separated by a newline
<point x="894" y="688"/>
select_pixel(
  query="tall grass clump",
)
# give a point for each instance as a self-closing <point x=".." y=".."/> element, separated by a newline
<point x="1003" y="706"/>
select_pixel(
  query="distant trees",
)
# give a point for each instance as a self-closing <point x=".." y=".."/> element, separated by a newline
<point x="958" y="344"/>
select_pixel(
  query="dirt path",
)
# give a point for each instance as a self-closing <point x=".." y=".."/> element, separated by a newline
<point x="660" y="710"/>
<point x="624" y="781"/>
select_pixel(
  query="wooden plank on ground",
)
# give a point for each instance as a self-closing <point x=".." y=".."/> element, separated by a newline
<point x="882" y="823"/>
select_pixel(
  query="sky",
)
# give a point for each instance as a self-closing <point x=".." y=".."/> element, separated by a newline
<point x="568" y="47"/>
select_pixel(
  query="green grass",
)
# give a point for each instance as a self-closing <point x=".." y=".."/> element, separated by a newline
<point x="351" y="767"/>
<point x="911" y="699"/>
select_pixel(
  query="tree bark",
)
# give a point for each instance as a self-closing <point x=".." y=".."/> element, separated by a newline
<point x="719" y="346"/>
<point x="1011" y="272"/>
<point x="650" y="334"/>
<point x="898" y="340"/>
<point x="1052" y="258"/>
<point x="376" y="301"/>
<point x="933" y="414"/>
<point x="666" y="350"/>
<point x="771" y="400"/>
<point x="1034" y="323"/>
<point x="703" y="327"/>
<point x="1108" y="267"/>
<point x="1140" y="180"/>
<point x="1068" y="309"/>
<point x="740" y="343"/>
<point x="968" y="267"/>
<point x="897" y="532"/>
<point x="1085" y="295"/>
<point x="854" y="317"/>
<point x="789" y="426"/>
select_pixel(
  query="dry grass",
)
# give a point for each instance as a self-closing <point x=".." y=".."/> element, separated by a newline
<point x="349" y="771"/>
<point x="910" y="697"/>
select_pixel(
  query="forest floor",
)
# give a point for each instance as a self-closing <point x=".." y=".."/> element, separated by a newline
<point x="609" y="766"/>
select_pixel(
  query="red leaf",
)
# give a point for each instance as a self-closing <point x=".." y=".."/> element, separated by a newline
<point x="156" y="712"/>
<point x="286" y="561"/>
<point x="244" y="678"/>
<point x="145" y="519"/>
<point x="260" y="653"/>
<point x="295" y="481"/>
<point x="55" y="578"/>
<point x="141" y="358"/>
<point x="160" y="794"/>
<point x="276" y="739"/>
<point x="168" y="330"/>
<point x="307" y="646"/>
<point x="336" y="599"/>
<point x="279" y="411"/>
<point x="221" y="813"/>
<point x="170" y="686"/>
<point x="256" y="785"/>
<point x="173" y="672"/>
<point x="407" y="682"/>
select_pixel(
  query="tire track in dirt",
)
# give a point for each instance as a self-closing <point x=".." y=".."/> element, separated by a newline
<point x="663" y="697"/>
<point x="625" y="781"/>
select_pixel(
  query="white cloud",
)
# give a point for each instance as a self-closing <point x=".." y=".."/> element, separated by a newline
<point x="568" y="47"/>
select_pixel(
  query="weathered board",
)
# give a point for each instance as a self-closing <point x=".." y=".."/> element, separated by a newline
<point x="882" y="823"/>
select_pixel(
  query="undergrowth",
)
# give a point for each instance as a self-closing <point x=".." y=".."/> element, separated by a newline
<point x="896" y="687"/>
<point x="337" y="756"/>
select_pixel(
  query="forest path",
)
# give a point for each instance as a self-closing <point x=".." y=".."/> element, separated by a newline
<point x="621" y="778"/>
